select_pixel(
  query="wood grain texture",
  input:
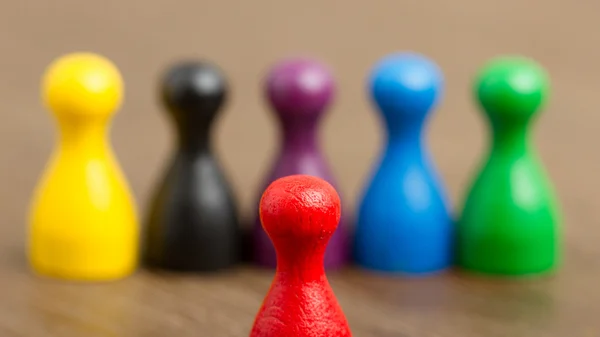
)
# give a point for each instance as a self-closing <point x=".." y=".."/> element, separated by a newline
<point x="150" y="305"/>
<point x="245" y="38"/>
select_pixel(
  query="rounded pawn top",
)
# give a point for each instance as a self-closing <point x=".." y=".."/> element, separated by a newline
<point x="405" y="85"/>
<point x="194" y="90"/>
<point x="300" y="87"/>
<point x="300" y="206"/>
<point x="82" y="84"/>
<point x="511" y="88"/>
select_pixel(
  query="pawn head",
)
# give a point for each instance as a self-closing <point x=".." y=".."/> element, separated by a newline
<point x="194" y="91"/>
<point x="405" y="86"/>
<point x="300" y="207"/>
<point x="299" y="88"/>
<point x="82" y="85"/>
<point x="512" y="88"/>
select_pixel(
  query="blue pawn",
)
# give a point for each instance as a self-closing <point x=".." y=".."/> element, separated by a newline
<point x="403" y="223"/>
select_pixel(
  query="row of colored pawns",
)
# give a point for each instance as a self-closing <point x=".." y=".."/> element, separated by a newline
<point x="83" y="223"/>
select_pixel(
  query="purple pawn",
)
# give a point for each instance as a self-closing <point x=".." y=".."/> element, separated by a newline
<point x="299" y="91"/>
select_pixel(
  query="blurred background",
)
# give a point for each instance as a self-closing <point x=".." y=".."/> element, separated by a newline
<point x="245" y="38"/>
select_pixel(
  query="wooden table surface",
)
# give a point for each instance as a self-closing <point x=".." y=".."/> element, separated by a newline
<point x="445" y="305"/>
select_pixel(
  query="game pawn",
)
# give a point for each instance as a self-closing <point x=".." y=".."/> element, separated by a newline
<point x="193" y="218"/>
<point x="404" y="225"/>
<point x="83" y="221"/>
<point x="510" y="223"/>
<point x="300" y="213"/>
<point x="299" y="91"/>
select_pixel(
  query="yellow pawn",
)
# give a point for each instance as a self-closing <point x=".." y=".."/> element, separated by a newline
<point x="83" y="222"/>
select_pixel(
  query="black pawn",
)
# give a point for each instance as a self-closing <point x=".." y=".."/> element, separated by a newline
<point x="193" y="219"/>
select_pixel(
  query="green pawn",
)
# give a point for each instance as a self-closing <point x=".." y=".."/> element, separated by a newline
<point x="511" y="223"/>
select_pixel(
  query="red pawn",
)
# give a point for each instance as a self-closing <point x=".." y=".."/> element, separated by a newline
<point x="300" y="213"/>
